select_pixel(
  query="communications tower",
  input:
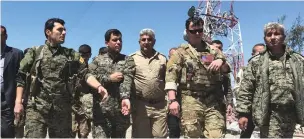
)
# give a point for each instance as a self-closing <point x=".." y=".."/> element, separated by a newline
<point x="224" y="24"/>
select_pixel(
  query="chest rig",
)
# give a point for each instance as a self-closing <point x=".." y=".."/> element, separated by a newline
<point x="194" y="75"/>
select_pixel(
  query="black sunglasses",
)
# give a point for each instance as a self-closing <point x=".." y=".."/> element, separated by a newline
<point x="196" y="31"/>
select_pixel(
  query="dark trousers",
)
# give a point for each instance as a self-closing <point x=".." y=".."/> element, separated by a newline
<point x="250" y="127"/>
<point x="7" y="121"/>
<point x="173" y="125"/>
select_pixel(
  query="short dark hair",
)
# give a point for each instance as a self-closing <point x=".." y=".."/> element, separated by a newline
<point x="196" y="22"/>
<point x="49" y="24"/>
<point x="83" y="49"/>
<point x="103" y="50"/>
<point x="4" y="28"/>
<point x="111" y="31"/>
<point x="217" y="42"/>
<point x="259" y="44"/>
<point x="25" y="50"/>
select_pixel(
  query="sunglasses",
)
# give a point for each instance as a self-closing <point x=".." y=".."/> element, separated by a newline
<point x="196" y="31"/>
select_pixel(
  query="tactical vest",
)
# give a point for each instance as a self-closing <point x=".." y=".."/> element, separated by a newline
<point x="63" y="67"/>
<point x="194" y="75"/>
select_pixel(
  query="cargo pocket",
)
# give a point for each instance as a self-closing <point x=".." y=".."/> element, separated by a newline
<point x="191" y="128"/>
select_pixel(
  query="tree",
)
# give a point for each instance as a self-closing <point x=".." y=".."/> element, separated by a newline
<point x="294" y="35"/>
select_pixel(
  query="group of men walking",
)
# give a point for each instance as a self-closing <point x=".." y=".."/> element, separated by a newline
<point x="56" y="90"/>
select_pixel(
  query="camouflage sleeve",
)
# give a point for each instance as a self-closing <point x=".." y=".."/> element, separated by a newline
<point x="128" y="72"/>
<point x="25" y="67"/>
<point x="104" y="78"/>
<point x="244" y="95"/>
<point x="173" y="70"/>
<point x="218" y="54"/>
<point x="227" y="88"/>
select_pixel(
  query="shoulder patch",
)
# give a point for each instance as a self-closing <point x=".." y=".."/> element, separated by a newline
<point x="81" y="60"/>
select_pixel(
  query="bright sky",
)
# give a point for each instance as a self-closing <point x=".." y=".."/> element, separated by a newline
<point x="87" y="21"/>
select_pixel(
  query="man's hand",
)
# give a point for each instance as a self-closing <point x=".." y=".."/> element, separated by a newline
<point x="174" y="108"/>
<point x="243" y="121"/>
<point x="103" y="92"/>
<point x="229" y="109"/>
<point x="18" y="111"/>
<point x="116" y="77"/>
<point x="215" y="65"/>
<point x="125" y="106"/>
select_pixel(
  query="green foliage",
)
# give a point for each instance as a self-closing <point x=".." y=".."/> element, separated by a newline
<point x="294" y="35"/>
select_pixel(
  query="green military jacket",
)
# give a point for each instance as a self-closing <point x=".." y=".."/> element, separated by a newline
<point x="104" y="65"/>
<point x="57" y="65"/>
<point x="254" y="94"/>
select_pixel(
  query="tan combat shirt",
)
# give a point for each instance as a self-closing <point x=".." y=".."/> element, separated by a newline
<point x="149" y="76"/>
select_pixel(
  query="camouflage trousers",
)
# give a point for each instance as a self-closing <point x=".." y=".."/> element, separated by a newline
<point x="19" y="129"/>
<point x="201" y="120"/>
<point x="80" y="125"/>
<point x="82" y="117"/>
<point x="282" y="123"/>
<point x="108" y="120"/>
<point x="43" y="116"/>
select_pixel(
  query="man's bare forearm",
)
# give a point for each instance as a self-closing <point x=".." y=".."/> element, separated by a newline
<point x="92" y="81"/>
<point x="171" y="94"/>
<point x="19" y="94"/>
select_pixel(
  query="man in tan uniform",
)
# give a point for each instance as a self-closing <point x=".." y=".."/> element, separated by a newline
<point x="149" y="104"/>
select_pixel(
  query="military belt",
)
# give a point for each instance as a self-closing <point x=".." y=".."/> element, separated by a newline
<point x="150" y="101"/>
<point x="194" y="93"/>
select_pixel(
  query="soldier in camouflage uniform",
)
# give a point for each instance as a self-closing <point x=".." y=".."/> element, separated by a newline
<point x="19" y="127"/>
<point x="173" y="121"/>
<point x="226" y="78"/>
<point x="226" y="84"/>
<point x="260" y="47"/>
<point x="54" y="70"/>
<point x="272" y="87"/>
<point x="83" y="101"/>
<point x="111" y="70"/>
<point x="197" y="69"/>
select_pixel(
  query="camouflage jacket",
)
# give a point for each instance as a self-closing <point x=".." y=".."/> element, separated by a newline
<point x="187" y="55"/>
<point x="54" y="71"/>
<point x="104" y="65"/>
<point x="254" y="94"/>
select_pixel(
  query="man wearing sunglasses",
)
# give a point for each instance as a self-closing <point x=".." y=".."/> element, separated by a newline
<point x="82" y="104"/>
<point x="196" y="68"/>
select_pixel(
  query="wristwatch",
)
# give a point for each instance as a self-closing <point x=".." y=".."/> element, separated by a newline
<point x="172" y="100"/>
